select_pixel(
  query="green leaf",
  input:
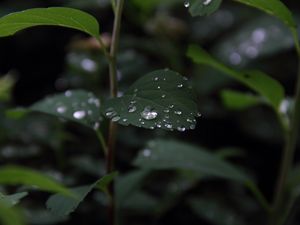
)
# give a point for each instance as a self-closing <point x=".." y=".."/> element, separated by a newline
<point x="77" y="105"/>
<point x="61" y="205"/>
<point x="162" y="154"/>
<point x="13" y="199"/>
<point x="10" y="216"/>
<point x="16" y="175"/>
<point x="161" y="99"/>
<point x="54" y="16"/>
<point x="203" y="7"/>
<point x="263" y="84"/>
<point x="238" y="100"/>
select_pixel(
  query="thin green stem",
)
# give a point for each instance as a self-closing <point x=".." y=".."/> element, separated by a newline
<point x="113" y="93"/>
<point x="259" y="196"/>
<point x="288" y="156"/>
<point x="103" y="48"/>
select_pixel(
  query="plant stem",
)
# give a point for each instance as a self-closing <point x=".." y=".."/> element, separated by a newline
<point x="288" y="155"/>
<point x="113" y="94"/>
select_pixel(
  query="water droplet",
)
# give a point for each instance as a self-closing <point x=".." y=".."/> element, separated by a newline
<point x="148" y="113"/>
<point x="163" y="96"/>
<point x="171" y="106"/>
<point x="142" y="122"/>
<point x="259" y="35"/>
<point x="207" y="2"/>
<point x="166" y="110"/>
<point x="158" y="87"/>
<point x="192" y="126"/>
<point x="185" y="78"/>
<point x="68" y="93"/>
<point x="158" y="125"/>
<point x="180" y="85"/>
<point x="186" y="4"/>
<point x="181" y="128"/>
<point x="199" y="114"/>
<point x="178" y="112"/>
<point x="125" y="120"/>
<point x="156" y="78"/>
<point x="115" y="118"/>
<point x="131" y="108"/>
<point x="61" y="109"/>
<point x="79" y="114"/>
<point x="136" y="90"/>
<point x="146" y="152"/>
<point x="168" y="125"/>
<point x="189" y="120"/>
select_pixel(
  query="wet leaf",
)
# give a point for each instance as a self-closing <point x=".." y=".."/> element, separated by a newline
<point x="238" y="100"/>
<point x="203" y="7"/>
<point x="16" y="175"/>
<point x="61" y="205"/>
<point x="263" y="84"/>
<point x="77" y="105"/>
<point x="54" y="16"/>
<point x="172" y="154"/>
<point x="161" y="99"/>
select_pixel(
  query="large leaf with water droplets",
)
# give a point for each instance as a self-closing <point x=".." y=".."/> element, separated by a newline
<point x="54" y="16"/>
<point x="15" y="175"/>
<point x="77" y="105"/>
<point x="162" y="154"/>
<point x="161" y="99"/>
<point x="203" y="7"/>
<point x="263" y="84"/>
<point x="61" y="205"/>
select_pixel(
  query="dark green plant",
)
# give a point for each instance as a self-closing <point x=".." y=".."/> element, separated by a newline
<point x="162" y="99"/>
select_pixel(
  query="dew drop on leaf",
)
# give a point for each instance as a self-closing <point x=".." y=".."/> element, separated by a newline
<point x="186" y="4"/>
<point x="207" y="2"/>
<point x="180" y="85"/>
<point x="79" y="114"/>
<point x="61" y="109"/>
<point x="148" y="113"/>
<point x="181" y="128"/>
<point x="131" y="108"/>
<point x="115" y="118"/>
<point x="178" y="112"/>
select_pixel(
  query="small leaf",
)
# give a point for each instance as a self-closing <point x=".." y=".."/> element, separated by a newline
<point x="177" y="155"/>
<point x="78" y="106"/>
<point x="16" y="175"/>
<point x="238" y="100"/>
<point x="161" y="99"/>
<point x="263" y="84"/>
<point x="54" y="16"/>
<point x="61" y="205"/>
<point x="203" y="7"/>
<point x="10" y="216"/>
<point x="13" y="199"/>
